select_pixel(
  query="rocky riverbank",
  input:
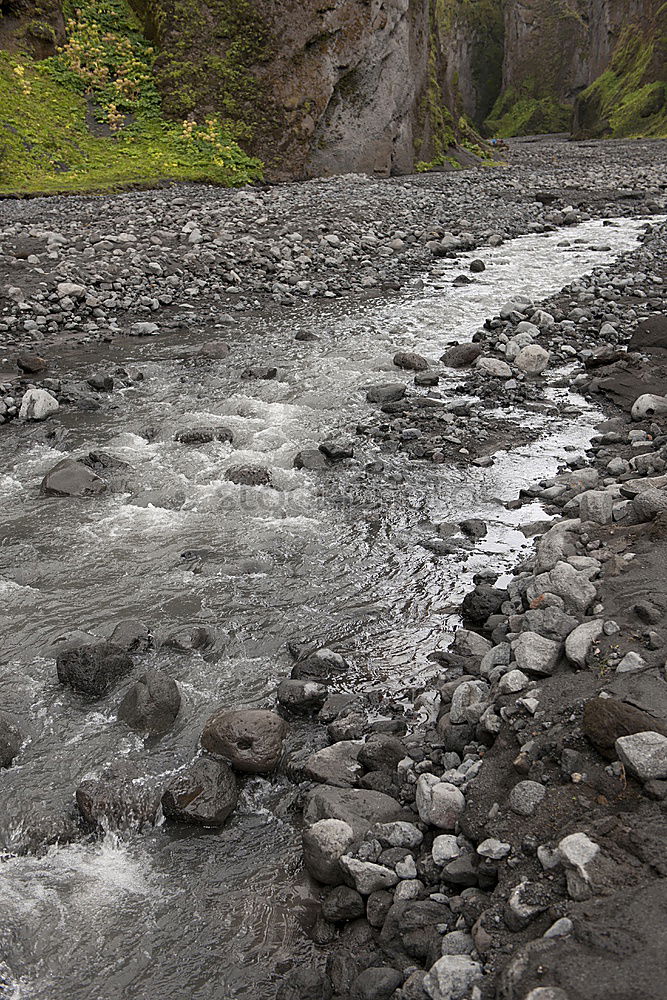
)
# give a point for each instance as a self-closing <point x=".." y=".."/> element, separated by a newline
<point x="499" y="830"/>
<point x="506" y="838"/>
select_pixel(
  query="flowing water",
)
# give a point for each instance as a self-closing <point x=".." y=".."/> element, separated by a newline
<point x="331" y="556"/>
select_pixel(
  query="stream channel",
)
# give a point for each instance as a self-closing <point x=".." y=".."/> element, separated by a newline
<point x="331" y="556"/>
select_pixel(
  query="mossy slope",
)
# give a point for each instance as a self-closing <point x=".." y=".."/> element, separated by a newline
<point x="90" y="118"/>
<point x="629" y="100"/>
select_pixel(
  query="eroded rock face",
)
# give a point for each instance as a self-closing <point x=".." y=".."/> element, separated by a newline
<point x="251" y="740"/>
<point x="331" y="88"/>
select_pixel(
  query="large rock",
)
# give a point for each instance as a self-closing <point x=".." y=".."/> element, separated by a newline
<point x="321" y="666"/>
<point x="302" y="697"/>
<point x="336" y="765"/>
<point x="438" y="802"/>
<point x="469" y="702"/>
<point x="119" y="798"/>
<point x="579" y="854"/>
<point x="366" y="876"/>
<point x="358" y="807"/>
<point x="248" y="475"/>
<point x="482" y="602"/>
<point x="580" y="640"/>
<point x="37" y="404"/>
<point x="386" y="392"/>
<point x="525" y="797"/>
<point x="324" y="843"/>
<point x="461" y="355"/>
<point x="566" y="582"/>
<point x="203" y="794"/>
<point x="532" y="359"/>
<point x="92" y="668"/>
<point x="644" y="754"/>
<point x="608" y="719"/>
<point x="648" y="406"/>
<point x="376" y="983"/>
<point x="10" y="741"/>
<point x="536" y="655"/>
<point x="72" y="479"/>
<point x="452" y="977"/>
<point x="251" y="740"/>
<point x="152" y="704"/>
<point x="410" y="361"/>
<point x="493" y="367"/>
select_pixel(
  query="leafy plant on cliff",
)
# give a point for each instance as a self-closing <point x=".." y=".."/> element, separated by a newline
<point x="90" y="117"/>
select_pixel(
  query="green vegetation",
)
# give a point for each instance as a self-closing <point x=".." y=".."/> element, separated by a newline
<point x="207" y="51"/>
<point x="518" y="113"/>
<point x="90" y="119"/>
<point x="485" y="28"/>
<point x="629" y="100"/>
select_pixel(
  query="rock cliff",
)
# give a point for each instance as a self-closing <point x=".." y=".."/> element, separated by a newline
<point x="555" y="49"/>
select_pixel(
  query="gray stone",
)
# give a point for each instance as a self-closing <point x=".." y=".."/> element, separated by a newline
<point x="366" y="876"/>
<point x="536" y="655"/>
<point x="457" y="943"/>
<point x="452" y="977"/>
<point x="10" y="741"/>
<point x="399" y="834"/>
<point x="445" y="849"/>
<point x="532" y="359"/>
<point x="468" y="702"/>
<point x="597" y="506"/>
<point x="324" y="843"/>
<point x="92" y="668"/>
<point x="494" y="849"/>
<point x="525" y="797"/>
<point x="644" y="754"/>
<point x="386" y="392"/>
<point x="343" y="903"/>
<point x="438" y="802"/>
<point x="493" y="367"/>
<point x="578" y="853"/>
<point x="304" y="697"/>
<point x="152" y="704"/>
<point x="378" y="983"/>
<point x="580" y="640"/>
<point x="72" y="479"/>
<point x="204" y="794"/>
<point x="410" y="361"/>
<point x="37" y="404"/>
<point x="631" y="661"/>
<point x="336" y="765"/>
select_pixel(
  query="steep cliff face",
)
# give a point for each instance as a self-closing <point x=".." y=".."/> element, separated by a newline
<point x="33" y="26"/>
<point x="323" y="85"/>
<point x="555" y="49"/>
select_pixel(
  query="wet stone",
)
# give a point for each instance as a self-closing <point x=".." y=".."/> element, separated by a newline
<point x="203" y="794"/>
<point x="93" y="668"/>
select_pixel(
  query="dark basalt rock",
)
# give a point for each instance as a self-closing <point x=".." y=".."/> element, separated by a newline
<point x="92" y="669"/>
<point x="251" y="740"/>
<point x="607" y="719"/>
<point x="10" y="741"/>
<point x="248" y="475"/>
<point x="204" y="794"/>
<point x="152" y="704"/>
<point x="203" y="435"/>
<point x="118" y="798"/>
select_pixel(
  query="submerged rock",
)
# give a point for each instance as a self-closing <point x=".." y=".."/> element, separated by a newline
<point x="10" y="741"/>
<point x="119" y="798"/>
<point x="72" y="479"/>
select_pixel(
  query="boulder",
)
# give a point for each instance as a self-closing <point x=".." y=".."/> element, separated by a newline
<point x="493" y="367"/>
<point x="31" y="364"/>
<point x="302" y="697"/>
<point x="578" y="854"/>
<point x="386" y="392"/>
<point x="310" y="458"/>
<point x="305" y="984"/>
<point x="37" y="404"/>
<point x="461" y="355"/>
<point x="131" y="635"/>
<point x="10" y="741"/>
<point x="324" y="843"/>
<point x="469" y="702"/>
<point x="119" y="798"/>
<point x="203" y="435"/>
<point x="152" y="704"/>
<point x="596" y="506"/>
<point x="72" y="479"/>
<point x="525" y="797"/>
<point x="320" y="666"/>
<point x="410" y="361"/>
<point x="337" y="449"/>
<point x="608" y="719"/>
<point x="648" y="406"/>
<point x="251" y="740"/>
<point x="572" y="586"/>
<point x="336" y="765"/>
<point x="359" y="807"/>
<point x="536" y="655"/>
<point x="366" y="876"/>
<point x="203" y="794"/>
<point x="532" y="359"/>
<point x="342" y="903"/>
<point x="438" y="802"/>
<point x="644" y="755"/>
<point x="482" y="602"/>
<point x="381" y="751"/>
<point x="376" y="983"/>
<point x="452" y="977"/>
<point x="580" y="640"/>
<point x="92" y="668"/>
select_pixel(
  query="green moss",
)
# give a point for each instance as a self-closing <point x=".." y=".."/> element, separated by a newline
<point x="629" y="100"/>
<point x="89" y="119"/>
<point x="519" y="113"/>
